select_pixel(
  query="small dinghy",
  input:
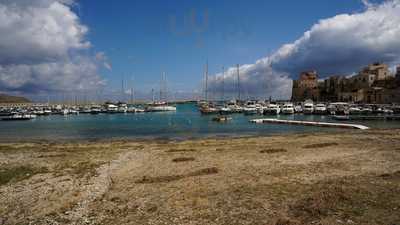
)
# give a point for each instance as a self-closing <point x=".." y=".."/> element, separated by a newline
<point x="222" y="118"/>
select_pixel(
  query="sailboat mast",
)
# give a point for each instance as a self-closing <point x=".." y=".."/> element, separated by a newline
<point x="163" y="87"/>
<point x="206" y="89"/>
<point x="131" y="95"/>
<point x="122" y="89"/>
<point x="238" y="81"/>
<point x="223" y="83"/>
<point x="132" y="87"/>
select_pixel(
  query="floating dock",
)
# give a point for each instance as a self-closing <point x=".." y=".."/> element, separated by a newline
<point x="361" y="117"/>
<point x="311" y="123"/>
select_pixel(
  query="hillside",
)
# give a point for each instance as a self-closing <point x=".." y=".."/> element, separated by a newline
<point x="12" y="99"/>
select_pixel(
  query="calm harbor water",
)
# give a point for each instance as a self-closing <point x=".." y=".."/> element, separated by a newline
<point x="185" y="123"/>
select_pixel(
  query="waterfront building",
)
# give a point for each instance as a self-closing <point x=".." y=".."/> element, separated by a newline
<point x="398" y="76"/>
<point x="306" y="87"/>
<point x="373" y="84"/>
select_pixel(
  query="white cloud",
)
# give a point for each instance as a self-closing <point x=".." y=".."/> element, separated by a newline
<point x="102" y="58"/>
<point x="37" y="32"/>
<point x="339" y="45"/>
<point x="43" y="47"/>
<point x="257" y="79"/>
<point x="52" y="76"/>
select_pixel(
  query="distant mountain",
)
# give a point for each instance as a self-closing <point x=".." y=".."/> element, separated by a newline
<point x="12" y="99"/>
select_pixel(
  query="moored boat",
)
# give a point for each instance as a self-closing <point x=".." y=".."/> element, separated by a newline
<point x="287" y="108"/>
<point x="160" y="107"/>
<point x="250" y="111"/>
<point x="320" y="109"/>
<point x="308" y="108"/>
<point x="273" y="109"/>
<point x="222" y="119"/>
<point x="19" y="117"/>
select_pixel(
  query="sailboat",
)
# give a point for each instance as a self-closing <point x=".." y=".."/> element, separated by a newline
<point x="205" y="107"/>
<point x="161" y="105"/>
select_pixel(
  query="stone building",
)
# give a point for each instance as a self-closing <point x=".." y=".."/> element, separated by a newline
<point x="306" y="87"/>
<point x="398" y="76"/>
<point x="373" y="84"/>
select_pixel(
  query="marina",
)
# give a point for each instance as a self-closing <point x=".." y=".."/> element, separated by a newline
<point x="199" y="112"/>
<point x="183" y="121"/>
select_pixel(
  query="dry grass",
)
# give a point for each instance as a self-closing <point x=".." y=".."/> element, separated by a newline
<point x="273" y="150"/>
<point x="297" y="179"/>
<point x="16" y="174"/>
<point x="321" y="145"/>
<point x="180" y="150"/>
<point x="367" y="200"/>
<point x="183" y="159"/>
<point x="171" y="178"/>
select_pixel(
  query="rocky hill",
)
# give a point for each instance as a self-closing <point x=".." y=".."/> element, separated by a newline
<point x="12" y="99"/>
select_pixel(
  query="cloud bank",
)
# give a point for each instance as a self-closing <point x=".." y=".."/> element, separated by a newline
<point x="342" y="44"/>
<point x="43" y="48"/>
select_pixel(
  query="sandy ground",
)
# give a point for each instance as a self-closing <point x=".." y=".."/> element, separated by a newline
<point x="342" y="178"/>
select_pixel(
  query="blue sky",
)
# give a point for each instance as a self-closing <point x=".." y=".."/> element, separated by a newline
<point x="57" y="47"/>
<point x="140" y="39"/>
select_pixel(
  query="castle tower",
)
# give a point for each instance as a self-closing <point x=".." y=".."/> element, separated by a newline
<point x="397" y="77"/>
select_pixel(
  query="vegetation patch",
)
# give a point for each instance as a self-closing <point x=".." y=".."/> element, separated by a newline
<point x="19" y="173"/>
<point x="52" y="155"/>
<point x="322" y="203"/>
<point x="83" y="168"/>
<point x="321" y="145"/>
<point x="393" y="175"/>
<point x="183" y="159"/>
<point x="79" y="169"/>
<point x="285" y="221"/>
<point x="273" y="150"/>
<point x="363" y="200"/>
<point x="10" y="148"/>
<point x="166" y="179"/>
<point x="180" y="150"/>
<point x="202" y="172"/>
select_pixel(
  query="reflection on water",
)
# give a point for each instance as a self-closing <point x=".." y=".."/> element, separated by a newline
<point x="185" y="123"/>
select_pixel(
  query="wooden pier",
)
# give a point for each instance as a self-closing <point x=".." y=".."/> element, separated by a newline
<point x="311" y="123"/>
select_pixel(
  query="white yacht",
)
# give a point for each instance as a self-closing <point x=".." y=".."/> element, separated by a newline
<point x="273" y="109"/>
<point x="354" y="110"/>
<point x="250" y="110"/>
<point x="320" y="108"/>
<point x="225" y="110"/>
<point x="339" y="108"/>
<point x="111" y="108"/>
<point x="288" y="108"/>
<point x="95" y="109"/>
<point x="20" y="117"/>
<point x="65" y="112"/>
<point x="366" y="110"/>
<point x="47" y="112"/>
<point x="298" y="109"/>
<point x="208" y="108"/>
<point x="232" y="105"/>
<point x="308" y="107"/>
<point x="161" y="107"/>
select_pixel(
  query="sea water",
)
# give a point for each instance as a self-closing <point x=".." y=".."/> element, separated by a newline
<point x="186" y="122"/>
